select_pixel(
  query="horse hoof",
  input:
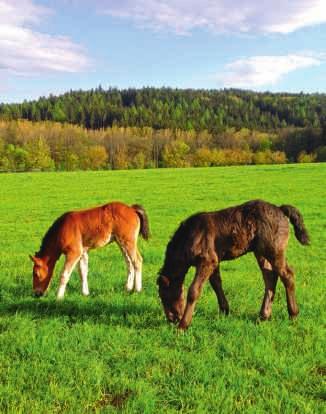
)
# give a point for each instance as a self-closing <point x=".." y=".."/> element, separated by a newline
<point x="182" y="327"/>
<point x="264" y="318"/>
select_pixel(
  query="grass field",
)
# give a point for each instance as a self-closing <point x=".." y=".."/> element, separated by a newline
<point x="114" y="352"/>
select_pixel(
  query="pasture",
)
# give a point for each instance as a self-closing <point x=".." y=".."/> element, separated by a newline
<point x="114" y="351"/>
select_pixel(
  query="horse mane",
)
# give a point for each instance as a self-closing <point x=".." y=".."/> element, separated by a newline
<point x="179" y="236"/>
<point x="50" y="234"/>
<point x="180" y="244"/>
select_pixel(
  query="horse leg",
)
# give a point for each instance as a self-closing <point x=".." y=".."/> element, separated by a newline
<point x="130" y="267"/>
<point x="138" y="261"/>
<point x="216" y="283"/>
<point x="134" y="262"/>
<point x="287" y="277"/>
<point x="83" y="271"/>
<point x="72" y="259"/>
<point x="203" y="272"/>
<point x="270" y="280"/>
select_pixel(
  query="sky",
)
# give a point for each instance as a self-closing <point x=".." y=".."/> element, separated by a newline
<point x="52" y="46"/>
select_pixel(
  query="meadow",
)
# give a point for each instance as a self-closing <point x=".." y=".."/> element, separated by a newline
<point x="115" y="352"/>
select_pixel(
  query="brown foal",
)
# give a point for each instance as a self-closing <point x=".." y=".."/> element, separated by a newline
<point x="76" y="232"/>
<point x="206" y="239"/>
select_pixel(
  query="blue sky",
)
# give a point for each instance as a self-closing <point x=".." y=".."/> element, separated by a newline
<point x="56" y="45"/>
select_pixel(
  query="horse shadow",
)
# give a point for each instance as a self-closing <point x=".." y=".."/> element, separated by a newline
<point x="133" y="315"/>
<point x="124" y="311"/>
<point x="98" y="311"/>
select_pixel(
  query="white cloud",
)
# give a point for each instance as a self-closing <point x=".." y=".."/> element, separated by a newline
<point x="244" y="16"/>
<point x="258" y="71"/>
<point x="24" y="51"/>
<point x="15" y="12"/>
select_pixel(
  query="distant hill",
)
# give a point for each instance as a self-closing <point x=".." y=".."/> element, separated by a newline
<point x="162" y="108"/>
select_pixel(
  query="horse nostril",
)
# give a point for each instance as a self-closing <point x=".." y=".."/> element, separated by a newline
<point x="38" y="294"/>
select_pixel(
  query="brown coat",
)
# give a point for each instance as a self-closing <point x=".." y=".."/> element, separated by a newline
<point x="74" y="233"/>
<point x="206" y="239"/>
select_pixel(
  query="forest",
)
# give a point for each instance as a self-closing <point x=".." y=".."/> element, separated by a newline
<point x="161" y="127"/>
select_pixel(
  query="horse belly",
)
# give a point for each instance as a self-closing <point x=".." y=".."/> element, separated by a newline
<point x="98" y="241"/>
<point x="230" y="248"/>
<point x="234" y="252"/>
<point x="105" y="240"/>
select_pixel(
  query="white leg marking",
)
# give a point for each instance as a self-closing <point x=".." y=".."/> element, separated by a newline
<point x="130" y="268"/>
<point x="137" y="263"/>
<point x="64" y="279"/>
<point x="131" y="273"/>
<point x="83" y="271"/>
<point x="138" y="273"/>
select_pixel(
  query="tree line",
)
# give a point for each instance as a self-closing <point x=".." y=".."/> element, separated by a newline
<point x="49" y="145"/>
<point x="167" y="108"/>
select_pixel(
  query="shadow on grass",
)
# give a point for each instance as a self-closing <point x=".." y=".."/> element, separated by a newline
<point x="138" y="315"/>
<point x="123" y="311"/>
<point x="125" y="314"/>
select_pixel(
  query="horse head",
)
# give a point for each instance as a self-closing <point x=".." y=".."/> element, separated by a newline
<point x="41" y="275"/>
<point x="171" y="293"/>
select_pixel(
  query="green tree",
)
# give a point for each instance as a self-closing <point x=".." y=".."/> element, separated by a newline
<point x="38" y="155"/>
<point x="203" y="157"/>
<point x="321" y="154"/>
<point x="96" y="158"/>
<point x="303" y="157"/>
<point x="58" y="113"/>
<point x="176" y="154"/>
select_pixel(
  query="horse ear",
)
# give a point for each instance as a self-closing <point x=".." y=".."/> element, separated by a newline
<point x="163" y="281"/>
<point x="33" y="258"/>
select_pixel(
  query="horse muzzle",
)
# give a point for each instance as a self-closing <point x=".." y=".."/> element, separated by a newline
<point x="172" y="317"/>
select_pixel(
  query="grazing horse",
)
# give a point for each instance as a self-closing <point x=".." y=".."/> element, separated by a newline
<point x="76" y="232"/>
<point x="206" y="239"/>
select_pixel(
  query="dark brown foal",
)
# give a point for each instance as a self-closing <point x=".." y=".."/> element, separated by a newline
<point x="206" y="239"/>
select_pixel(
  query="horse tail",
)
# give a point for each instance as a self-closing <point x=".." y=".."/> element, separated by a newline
<point x="144" y="223"/>
<point x="296" y="220"/>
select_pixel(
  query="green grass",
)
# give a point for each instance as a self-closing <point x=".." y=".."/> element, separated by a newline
<point x="114" y="352"/>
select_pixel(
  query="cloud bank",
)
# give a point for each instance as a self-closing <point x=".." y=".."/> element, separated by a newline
<point x="25" y="51"/>
<point x="244" y="16"/>
<point x="258" y="71"/>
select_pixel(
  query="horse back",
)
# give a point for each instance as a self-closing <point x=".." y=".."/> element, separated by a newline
<point x="272" y="228"/>
<point x="101" y="225"/>
<point x="231" y="232"/>
<point x="125" y="222"/>
<point x="89" y="228"/>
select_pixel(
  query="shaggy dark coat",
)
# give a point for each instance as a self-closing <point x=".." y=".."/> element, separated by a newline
<point x="206" y="239"/>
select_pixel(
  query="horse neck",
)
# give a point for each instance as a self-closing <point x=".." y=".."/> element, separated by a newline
<point x="176" y="274"/>
<point x="49" y="257"/>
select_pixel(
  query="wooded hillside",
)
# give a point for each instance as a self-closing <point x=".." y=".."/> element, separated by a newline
<point x="151" y="128"/>
<point x="162" y="108"/>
